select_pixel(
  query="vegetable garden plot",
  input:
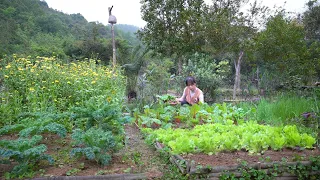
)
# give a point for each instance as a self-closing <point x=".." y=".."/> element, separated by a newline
<point x="61" y="119"/>
<point x="226" y="136"/>
<point x="135" y="161"/>
<point x="287" y="164"/>
<point x="214" y="138"/>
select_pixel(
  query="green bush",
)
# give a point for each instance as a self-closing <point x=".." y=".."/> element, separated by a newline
<point x="208" y="72"/>
<point x="94" y="144"/>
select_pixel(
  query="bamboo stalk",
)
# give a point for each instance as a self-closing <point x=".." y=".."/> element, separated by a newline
<point x="179" y="157"/>
<point x="190" y="165"/>
<point x="106" y="177"/>
<point x="218" y="169"/>
<point x="174" y="161"/>
<point x="281" y="176"/>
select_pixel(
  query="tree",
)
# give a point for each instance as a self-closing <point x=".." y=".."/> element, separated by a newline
<point x="173" y="26"/>
<point x="311" y="20"/>
<point x="229" y="31"/>
<point x="283" y="50"/>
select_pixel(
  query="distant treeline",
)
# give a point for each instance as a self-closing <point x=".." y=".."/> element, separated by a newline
<point x="30" y="27"/>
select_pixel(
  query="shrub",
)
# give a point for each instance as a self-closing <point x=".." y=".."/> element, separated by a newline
<point x="208" y="72"/>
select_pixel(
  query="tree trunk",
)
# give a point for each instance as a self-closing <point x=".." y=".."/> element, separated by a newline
<point x="258" y="79"/>
<point x="180" y="65"/>
<point x="237" y="66"/>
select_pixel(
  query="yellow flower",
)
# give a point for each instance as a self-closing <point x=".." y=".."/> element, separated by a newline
<point x="6" y="76"/>
<point x="93" y="82"/>
<point x="56" y="81"/>
<point x="8" y="66"/>
<point x="31" y="89"/>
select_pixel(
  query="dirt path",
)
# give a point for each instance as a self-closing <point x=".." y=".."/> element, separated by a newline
<point x="144" y="158"/>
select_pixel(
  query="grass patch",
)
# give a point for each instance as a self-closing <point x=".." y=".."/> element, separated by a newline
<point x="280" y="110"/>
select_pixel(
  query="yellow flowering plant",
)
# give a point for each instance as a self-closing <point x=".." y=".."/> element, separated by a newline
<point x="45" y="83"/>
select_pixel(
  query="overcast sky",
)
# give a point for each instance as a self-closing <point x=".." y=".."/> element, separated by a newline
<point x="128" y="11"/>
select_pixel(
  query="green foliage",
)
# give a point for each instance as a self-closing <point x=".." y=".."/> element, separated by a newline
<point x="165" y="115"/>
<point x="99" y="113"/>
<point x="311" y="20"/>
<point x="283" y="109"/>
<point x="172" y="27"/>
<point x="275" y="171"/>
<point x="37" y="123"/>
<point x="96" y="144"/>
<point x="156" y="78"/>
<point x="40" y="128"/>
<point x="208" y="72"/>
<point x="49" y="85"/>
<point x="72" y="171"/>
<point x="281" y="45"/>
<point x="8" y="129"/>
<point x="213" y="138"/>
<point x="166" y="98"/>
<point x="26" y="152"/>
<point x="31" y="27"/>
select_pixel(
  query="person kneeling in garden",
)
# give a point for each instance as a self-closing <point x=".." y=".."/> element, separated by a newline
<point x="191" y="94"/>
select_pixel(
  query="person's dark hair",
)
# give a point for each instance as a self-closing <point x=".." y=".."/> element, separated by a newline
<point x="190" y="81"/>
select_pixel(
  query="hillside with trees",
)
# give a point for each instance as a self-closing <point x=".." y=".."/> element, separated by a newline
<point x="30" y="27"/>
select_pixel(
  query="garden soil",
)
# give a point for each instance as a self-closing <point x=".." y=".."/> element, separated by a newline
<point x="236" y="158"/>
<point x="137" y="157"/>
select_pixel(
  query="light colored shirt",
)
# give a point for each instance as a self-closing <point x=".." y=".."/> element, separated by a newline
<point x="201" y="97"/>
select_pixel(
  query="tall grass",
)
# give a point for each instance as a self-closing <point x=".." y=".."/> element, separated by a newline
<point x="281" y="110"/>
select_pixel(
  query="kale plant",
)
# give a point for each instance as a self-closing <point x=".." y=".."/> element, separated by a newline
<point x="27" y="152"/>
<point x="94" y="144"/>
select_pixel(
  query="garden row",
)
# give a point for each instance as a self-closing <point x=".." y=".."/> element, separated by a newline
<point x="41" y="96"/>
<point x="219" y="128"/>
